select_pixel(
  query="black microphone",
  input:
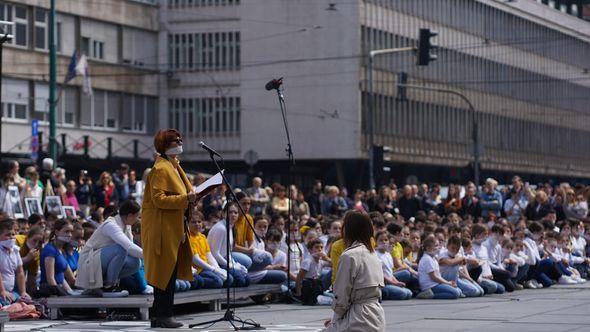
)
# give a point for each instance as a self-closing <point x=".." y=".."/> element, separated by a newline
<point x="274" y="84"/>
<point x="210" y="150"/>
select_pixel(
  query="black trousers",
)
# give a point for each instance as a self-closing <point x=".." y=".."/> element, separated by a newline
<point x="164" y="299"/>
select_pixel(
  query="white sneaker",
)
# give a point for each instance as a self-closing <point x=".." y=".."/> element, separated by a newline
<point x="530" y="285"/>
<point x="565" y="280"/>
<point x="578" y="279"/>
<point x="536" y="284"/>
<point x="149" y="290"/>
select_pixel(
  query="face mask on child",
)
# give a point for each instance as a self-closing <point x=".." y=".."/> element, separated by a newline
<point x="272" y="246"/>
<point x="434" y="252"/>
<point x="64" y="239"/>
<point x="384" y="246"/>
<point x="506" y="253"/>
<point x="8" y="244"/>
<point x="494" y="239"/>
<point x="261" y="234"/>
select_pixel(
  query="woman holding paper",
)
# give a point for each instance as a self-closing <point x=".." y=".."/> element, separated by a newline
<point x="167" y="253"/>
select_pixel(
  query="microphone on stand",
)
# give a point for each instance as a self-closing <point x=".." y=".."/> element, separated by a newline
<point x="208" y="149"/>
<point x="274" y="84"/>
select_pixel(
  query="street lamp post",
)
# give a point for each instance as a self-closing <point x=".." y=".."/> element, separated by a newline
<point x="475" y="124"/>
<point x="5" y="37"/>
<point x="370" y="112"/>
<point x="52" y="84"/>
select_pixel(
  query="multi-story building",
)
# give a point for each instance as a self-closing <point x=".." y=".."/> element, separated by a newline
<point x="119" y="39"/>
<point x="522" y="64"/>
<point x="201" y="66"/>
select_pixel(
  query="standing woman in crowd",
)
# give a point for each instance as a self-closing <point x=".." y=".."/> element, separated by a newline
<point x="105" y="191"/>
<point x="359" y="280"/>
<point x="167" y="252"/>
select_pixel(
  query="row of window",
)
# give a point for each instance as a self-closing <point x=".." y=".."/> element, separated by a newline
<point x="201" y="3"/>
<point x="202" y="116"/>
<point x="204" y="51"/>
<point x="104" y="109"/>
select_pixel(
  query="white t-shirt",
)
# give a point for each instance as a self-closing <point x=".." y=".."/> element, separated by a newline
<point x="386" y="263"/>
<point x="532" y="251"/>
<point x="313" y="267"/>
<point x="427" y="264"/>
<point x="578" y="245"/>
<point x="280" y="258"/>
<point x="481" y="253"/>
<point x="449" y="272"/>
<point x="9" y="262"/>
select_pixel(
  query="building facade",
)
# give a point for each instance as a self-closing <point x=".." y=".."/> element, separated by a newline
<point x="119" y="39"/>
<point x="523" y="65"/>
<point x="201" y="66"/>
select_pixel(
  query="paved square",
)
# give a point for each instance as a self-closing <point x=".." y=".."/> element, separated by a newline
<point x="560" y="308"/>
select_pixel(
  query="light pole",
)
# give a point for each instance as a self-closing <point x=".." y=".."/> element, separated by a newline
<point x="6" y="36"/>
<point x="475" y="124"/>
<point x="372" y="55"/>
<point x="52" y="84"/>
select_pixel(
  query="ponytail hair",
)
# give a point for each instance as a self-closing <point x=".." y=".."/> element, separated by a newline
<point x="428" y="242"/>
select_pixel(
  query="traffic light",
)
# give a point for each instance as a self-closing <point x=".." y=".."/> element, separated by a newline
<point x="378" y="164"/>
<point x="425" y="46"/>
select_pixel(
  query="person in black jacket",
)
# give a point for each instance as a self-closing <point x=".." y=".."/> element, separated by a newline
<point x="408" y="204"/>
<point x="540" y="208"/>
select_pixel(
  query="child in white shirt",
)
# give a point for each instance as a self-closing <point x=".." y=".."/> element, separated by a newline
<point x="431" y="282"/>
<point x="394" y="289"/>
<point x="453" y="268"/>
<point x="308" y="283"/>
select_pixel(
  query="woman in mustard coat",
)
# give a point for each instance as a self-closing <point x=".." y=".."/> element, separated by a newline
<point x="167" y="252"/>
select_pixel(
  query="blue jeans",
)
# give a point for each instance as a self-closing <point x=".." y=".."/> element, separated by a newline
<point x="492" y="287"/>
<point x="406" y="277"/>
<point x="391" y="292"/>
<point x="523" y="271"/>
<point x="116" y="264"/>
<point x="238" y="279"/>
<point x="182" y="285"/>
<point x="207" y="279"/>
<point x="541" y="271"/>
<point x="5" y="303"/>
<point x="446" y="292"/>
<point x="470" y="289"/>
<point x="243" y="259"/>
<point x="562" y="269"/>
<point x="136" y="282"/>
<point x="260" y="265"/>
<point x="274" y="277"/>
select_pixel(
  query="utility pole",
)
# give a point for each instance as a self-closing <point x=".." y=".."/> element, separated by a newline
<point x="475" y="124"/>
<point x="6" y="36"/>
<point x="52" y="84"/>
<point x="371" y="102"/>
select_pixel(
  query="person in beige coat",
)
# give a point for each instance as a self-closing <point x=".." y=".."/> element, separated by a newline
<point x="110" y="254"/>
<point x="359" y="280"/>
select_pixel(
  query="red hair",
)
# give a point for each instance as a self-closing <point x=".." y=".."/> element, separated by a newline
<point x="164" y="139"/>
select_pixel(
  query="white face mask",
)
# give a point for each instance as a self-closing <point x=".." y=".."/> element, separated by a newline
<point x="64" y="239"/>
<point x="434" y="252"/>
<point x="383" y="246"/>
<point x="506" y="252"/>
<point x="260" y="233"/>
<point x="8" y="244"/>
<point x="272" y="246"/>
<point x="494" y="239"/>
<point x="174" y="151"/>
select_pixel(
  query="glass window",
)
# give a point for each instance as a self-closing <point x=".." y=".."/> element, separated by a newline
<point x="99" y="109"/>
<point x="113" y="109"/>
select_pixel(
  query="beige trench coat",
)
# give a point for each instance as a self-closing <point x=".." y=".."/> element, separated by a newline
<point x="357" y="290"/>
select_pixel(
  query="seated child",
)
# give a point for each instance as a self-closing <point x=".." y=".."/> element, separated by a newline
<point x="394" y="289"/>
<point x="206" y="271"/>
<point x="432" y="284"/>
<point x="452" y="268"/>
<point x="308" y="284"/>
<point x="12" y="282"/>
<point x="259" y="255"/>
<point x="486" y="280"/>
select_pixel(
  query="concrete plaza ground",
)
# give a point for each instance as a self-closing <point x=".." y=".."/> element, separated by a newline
<point x="560" y="308"/>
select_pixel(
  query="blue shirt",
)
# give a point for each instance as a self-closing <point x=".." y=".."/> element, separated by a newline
<point x="73" y="260"/>
<point x="60" y="264"/>
<point x="490" y="203"/>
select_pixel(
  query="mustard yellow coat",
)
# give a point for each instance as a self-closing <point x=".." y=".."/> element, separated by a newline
<point x="162" y="224"/>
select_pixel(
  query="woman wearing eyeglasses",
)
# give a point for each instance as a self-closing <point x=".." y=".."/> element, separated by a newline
<point x="167" y="252"/>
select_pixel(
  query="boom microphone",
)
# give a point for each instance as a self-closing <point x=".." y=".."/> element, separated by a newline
<point x="274" y="84"/>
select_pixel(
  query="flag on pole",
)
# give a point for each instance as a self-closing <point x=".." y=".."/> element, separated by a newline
<point x="82" y="69"/>
<point x="71" y="68"/>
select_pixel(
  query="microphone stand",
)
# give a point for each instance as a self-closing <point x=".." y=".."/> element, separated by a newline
<point x="288" y="298"/>
<point x="229" y="315"/>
